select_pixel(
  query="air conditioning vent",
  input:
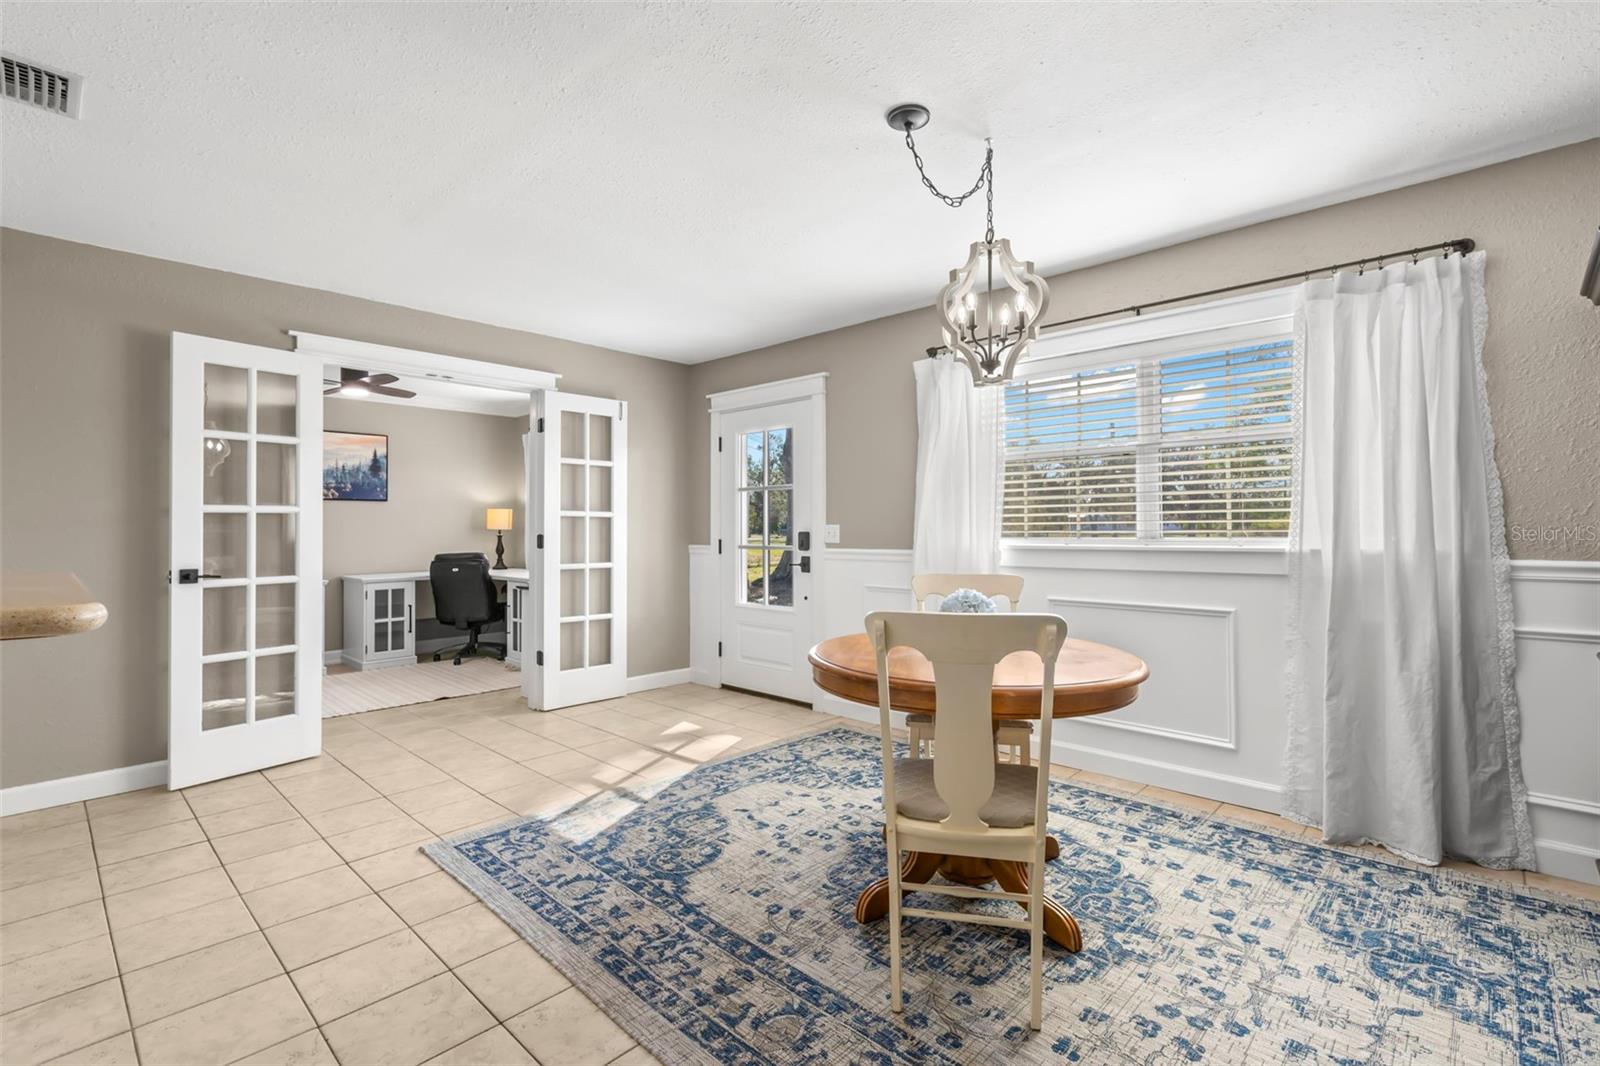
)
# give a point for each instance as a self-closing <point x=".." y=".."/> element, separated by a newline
<point x="52" y="90"/>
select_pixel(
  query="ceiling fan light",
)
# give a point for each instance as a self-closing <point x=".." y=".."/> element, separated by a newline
<point x="354" y="388"/>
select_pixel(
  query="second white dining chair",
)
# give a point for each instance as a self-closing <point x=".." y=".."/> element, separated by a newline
<point x="1013" y="741"/>
<point x="962" y="802"/>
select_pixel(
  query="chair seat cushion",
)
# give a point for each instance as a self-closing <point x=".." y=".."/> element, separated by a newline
<point x="1010" y="807"/>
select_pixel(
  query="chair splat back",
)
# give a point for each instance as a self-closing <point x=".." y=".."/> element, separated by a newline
<point x="964" y="650"/>
<point x="1002" y="586"/>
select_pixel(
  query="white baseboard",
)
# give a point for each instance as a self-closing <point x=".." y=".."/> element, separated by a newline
<point x="332" y="658"/>
<point x="1572" y="861"/>
<point x="20" y="799"/>
<point x="665" y="679"/>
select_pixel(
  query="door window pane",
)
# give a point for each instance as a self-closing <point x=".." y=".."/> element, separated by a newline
<point x="275" y="475"/>
<point x="572" y="486"/>
<point x="572" y="434"/>
<point x="780" y="457"/>
<point x="571" y="593"/>
<point x="599" y="437"/>
<point x="274" y="615"/>
<point x="572" y="543"/>
<point x="397" y="634"/>
<point x="755" y="520"/>
<point x="600" y="642"/>
<point x="276" y="535"/>
<point x="380" y="603"/>
<point x="572" y="645"/>
<point x="225" y="480"/>
<point x="599" y="592"/>
<point x="274" y="686"/>
<point x="779" y="504"/>
<point x="599" y="488"/>
<point x="599" y="540"/>
<point x="222" y="694"/>
<point x="224" y="544"/>
<point x="227" y="398"/>
<point x="755" y="575"/>
<point x="780" y="579"/>
<point x="222" y="617"/>
<point x="754" y="459"/>
<point x="275" y="397"/>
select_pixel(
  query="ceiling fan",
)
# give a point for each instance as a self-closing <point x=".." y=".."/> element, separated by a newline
<point x="360" y="383"/>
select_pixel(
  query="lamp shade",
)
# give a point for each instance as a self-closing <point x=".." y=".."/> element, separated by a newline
<point x="498" y="518"/>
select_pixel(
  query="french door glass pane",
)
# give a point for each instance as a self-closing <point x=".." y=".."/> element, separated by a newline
<point x="599" y="488"/>
<point x="274" y="615"/>
<point x="572" y="486"/>
<point x="222" y="617"/>
<point x="780" y="579"/>
<point x="222" y="699"/>
<point x="572" y="435"/>
<point x="225" y="480"/>
<point x="600" y="642"/>
<point x="274" y="686"/>
<point x="600" y="438"/>
<point x="275" y="475"/>
<point x="224" y="544"/>
<point x="572" y="645"/>
<point x="571" y="593"/>
<point x="572" y="544"/>
<point x="599" y="592"/>
<point x="275" y="400"/>
<point x="275" y="543"/>
<point x="599" y="540"/>
<point x="226" y="398"/>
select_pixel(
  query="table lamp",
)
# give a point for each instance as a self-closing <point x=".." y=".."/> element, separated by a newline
<point x="498" y="521"/>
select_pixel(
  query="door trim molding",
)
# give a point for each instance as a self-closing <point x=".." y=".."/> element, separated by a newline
<point x="771" y="392"/>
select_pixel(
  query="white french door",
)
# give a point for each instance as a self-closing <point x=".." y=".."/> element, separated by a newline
<point x="764" y="535"/>
<point x="580" y="542"/>
<point x="246" y="564"/>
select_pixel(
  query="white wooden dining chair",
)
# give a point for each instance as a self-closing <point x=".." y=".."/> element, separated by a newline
<point x="962" y="802"/>
<point x="1012" y="740"/>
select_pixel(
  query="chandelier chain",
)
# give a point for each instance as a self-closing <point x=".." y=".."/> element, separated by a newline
<point x="985" y="181"/>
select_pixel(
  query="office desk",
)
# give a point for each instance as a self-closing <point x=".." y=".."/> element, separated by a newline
<point x="380" y="616"/>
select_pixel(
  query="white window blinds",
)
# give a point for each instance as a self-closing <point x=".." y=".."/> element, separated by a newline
<point x="1192" y="445"/>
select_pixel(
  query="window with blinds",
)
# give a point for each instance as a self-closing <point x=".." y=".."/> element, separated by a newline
<point x="1155" y="448"/>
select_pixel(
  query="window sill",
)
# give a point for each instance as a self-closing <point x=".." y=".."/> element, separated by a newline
<point x="1235" y="558"/>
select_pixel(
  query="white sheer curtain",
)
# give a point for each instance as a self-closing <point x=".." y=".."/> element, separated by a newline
<point x="956" y="524"/>
<point x="1403" y="726"/>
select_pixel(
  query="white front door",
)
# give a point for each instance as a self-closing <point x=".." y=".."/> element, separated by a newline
<point x="766" y="546"/>
<point x="579" y="556"/>
<point x="246" y="577"/>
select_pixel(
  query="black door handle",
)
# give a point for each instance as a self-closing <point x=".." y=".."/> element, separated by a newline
<point x="193" y="576"/>
<point x="805" y="564"/>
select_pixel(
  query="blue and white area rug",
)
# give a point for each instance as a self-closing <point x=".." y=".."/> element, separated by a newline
<point x="714" y="923"/>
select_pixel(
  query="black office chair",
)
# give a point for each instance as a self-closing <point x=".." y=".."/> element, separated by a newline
<point x="464" y="597"/>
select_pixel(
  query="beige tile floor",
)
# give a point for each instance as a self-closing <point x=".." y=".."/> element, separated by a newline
<point x="288" y="917"/>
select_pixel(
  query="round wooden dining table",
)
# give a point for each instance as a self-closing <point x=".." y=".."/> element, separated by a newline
<point x="1090" y="679"/>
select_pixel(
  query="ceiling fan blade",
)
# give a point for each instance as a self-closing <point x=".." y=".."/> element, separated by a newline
<point x="346" y="374"/>
<point x="381" y="379"/>
<point x="384" y="390"/>
<point x="333" y="391"/>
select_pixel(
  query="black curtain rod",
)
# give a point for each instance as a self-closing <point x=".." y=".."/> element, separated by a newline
<point x="1460" y="244"/>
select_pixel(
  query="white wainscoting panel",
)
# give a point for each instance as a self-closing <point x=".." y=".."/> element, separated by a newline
<point x="1192" y="698"/>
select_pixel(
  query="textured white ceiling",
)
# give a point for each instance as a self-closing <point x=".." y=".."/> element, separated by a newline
<point x="688" y="181"/>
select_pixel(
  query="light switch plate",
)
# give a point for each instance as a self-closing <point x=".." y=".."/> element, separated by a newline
<point x="830" y="534"/>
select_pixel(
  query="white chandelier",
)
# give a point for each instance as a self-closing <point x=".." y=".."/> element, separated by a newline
<point x="991" y="310"/>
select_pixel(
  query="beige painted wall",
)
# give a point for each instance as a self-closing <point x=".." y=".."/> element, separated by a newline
<point x="1535" y="217"/>
<point x="83" y="472"/>
<point x="445" y="468"/>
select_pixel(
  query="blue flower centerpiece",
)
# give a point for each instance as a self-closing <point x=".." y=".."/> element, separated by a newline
<point x="967" y="601"/>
